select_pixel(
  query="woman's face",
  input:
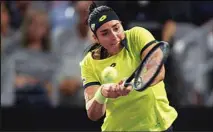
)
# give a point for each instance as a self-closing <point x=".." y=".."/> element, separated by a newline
<point x="38" y="27"/>
<point x="109" y="35"/>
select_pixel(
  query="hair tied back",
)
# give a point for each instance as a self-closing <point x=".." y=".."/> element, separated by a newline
<point x="92" y="7"/>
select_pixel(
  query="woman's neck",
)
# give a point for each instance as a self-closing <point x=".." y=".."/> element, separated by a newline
<point x="115" y="52"/>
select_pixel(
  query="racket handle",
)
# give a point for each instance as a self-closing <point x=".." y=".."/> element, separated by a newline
<point x="126" y="83"/>
<point x="123" y="83"/>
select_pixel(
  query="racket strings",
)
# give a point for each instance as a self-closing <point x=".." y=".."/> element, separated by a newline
<point x="150" y="66"/>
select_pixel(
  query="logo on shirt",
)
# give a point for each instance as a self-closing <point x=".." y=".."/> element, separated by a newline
<point x="102" y="18"/>
<point x="113" y="65"/>
<point x="93" y="27"/>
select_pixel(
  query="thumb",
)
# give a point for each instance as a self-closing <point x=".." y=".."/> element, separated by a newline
<point x="121" y="82"/>
<point x="129" y="88"/>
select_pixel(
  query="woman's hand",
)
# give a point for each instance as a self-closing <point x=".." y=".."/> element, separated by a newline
<point x="113" y="90"/>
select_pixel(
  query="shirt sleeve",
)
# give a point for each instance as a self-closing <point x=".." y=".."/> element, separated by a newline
<point x="87" y="74"/>
<point x="141" y="37"/>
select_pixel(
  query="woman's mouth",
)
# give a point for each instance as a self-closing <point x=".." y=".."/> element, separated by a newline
<point x="115" y="43"/>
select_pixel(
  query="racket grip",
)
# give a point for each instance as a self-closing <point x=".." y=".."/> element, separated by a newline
<point x="126" y="84"/>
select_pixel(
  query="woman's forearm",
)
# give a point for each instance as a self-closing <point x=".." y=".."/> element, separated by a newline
<point x="95" y="110"/>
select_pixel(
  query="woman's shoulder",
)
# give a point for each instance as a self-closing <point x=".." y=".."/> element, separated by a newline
<point x="139" y="34"/>
<point x="87" y="56"/>
<point x="137" y="30"/>
<point x="93" y="48"/>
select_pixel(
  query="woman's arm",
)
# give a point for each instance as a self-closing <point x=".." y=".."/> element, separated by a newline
<point x="152" y="64"/>
<point x="94" y="109"/>
<point x="96" y="97"/>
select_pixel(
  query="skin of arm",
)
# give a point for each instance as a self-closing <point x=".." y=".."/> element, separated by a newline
<point x="96" y="110"/>
<point x="152" y="64"/>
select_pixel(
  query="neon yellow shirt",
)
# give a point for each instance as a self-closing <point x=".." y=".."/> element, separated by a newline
<point x="139" y="111"/>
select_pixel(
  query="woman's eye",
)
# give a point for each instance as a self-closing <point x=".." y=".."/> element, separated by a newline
<point x="116" y="29"/>
<point x="104" y="34"/>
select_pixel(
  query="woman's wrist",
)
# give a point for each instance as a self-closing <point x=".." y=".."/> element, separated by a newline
<point x="99" y="96"/>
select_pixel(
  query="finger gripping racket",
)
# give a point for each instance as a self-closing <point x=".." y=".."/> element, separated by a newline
<point x="149" y="67"/>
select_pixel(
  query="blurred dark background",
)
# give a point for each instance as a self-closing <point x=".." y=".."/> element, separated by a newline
<point x="42" y="43"/>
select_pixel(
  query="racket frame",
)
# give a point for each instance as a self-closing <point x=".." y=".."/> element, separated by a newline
<point x="132" y="80"/>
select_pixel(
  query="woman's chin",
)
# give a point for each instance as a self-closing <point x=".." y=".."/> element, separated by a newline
<point x="114" y="49"/>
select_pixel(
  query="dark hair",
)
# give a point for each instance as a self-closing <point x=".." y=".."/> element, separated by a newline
<point x="95" y="10"/>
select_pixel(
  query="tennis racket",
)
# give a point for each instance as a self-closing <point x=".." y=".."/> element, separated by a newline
<point x="144" y="76"/>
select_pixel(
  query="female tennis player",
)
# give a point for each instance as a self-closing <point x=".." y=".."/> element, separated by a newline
<point x="125" y="109"/>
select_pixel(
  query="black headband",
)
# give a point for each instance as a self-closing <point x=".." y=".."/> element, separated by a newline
<point x="101" y="19"/>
